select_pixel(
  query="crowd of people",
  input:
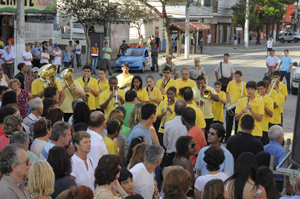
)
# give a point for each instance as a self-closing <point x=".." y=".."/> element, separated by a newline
<point x="115" y="138"/>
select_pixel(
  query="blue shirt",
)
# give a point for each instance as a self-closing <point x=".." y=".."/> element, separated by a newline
<point x="286" y="63"/>
<point x="226" y="166"/>
<point x="294" y="197"/>
<point x="139" y="130"/>
<point x="9" y="56"/>
<point x="36" y="51"/>
<point x="52" y="45"/>
<point x="67" y="57"/>
<point x="275" y="148"/>
<point x="47" y="147"/>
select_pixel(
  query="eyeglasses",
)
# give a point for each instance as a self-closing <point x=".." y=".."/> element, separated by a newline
<point x="166" y="72"/>
<point x="212" y="133"/>
<point x="192" y="145"/>
<point x="26" y="163"/>
<point x="184" y="74"/>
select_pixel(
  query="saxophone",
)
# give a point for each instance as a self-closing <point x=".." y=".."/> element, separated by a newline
<point x="87" y="95"/>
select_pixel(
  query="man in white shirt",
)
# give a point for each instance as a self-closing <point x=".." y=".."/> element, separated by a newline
<point x="272" y="60"/>
<point x="78" y="54"/>
<point x="224" y="72"/>
<point x="96" y="125"/>
<point x="143" y="172"/>
<point x="173" y="130"/>
<point x="209" y="39"/>
<point x="8" y="58"/>
<point x="27" y="59"/>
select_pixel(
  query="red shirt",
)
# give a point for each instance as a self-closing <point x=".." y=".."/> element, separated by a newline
<point x="199" y="138"/>
<point x="3" y="142"/>
<point x="1" y="131"/>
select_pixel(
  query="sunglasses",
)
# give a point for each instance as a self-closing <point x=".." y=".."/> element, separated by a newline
<point x="184" y="74"/>
<point x="192" y="145"/>
<point x="166" y="72"/>
<point x="212" y="133"/>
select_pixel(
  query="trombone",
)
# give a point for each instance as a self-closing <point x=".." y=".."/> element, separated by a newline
<point x="273" y="82"/>
<point x="116" y="103"/>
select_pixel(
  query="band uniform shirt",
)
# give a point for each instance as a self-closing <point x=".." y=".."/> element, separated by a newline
<point x="217" y="108"/>
<point x="235" y="90"/>
<point x="196" y="72"/>
<point x="66" y="106"/>
<point x="208" y="114"/>
<point x="282" y="89"/>
<point x="171" y="83"/>
<point x="143" y="95"/>
<point x="278" y="110"/>
<point x="269" y="103"/>
<point x="37" y="86"/>
<point x="182" y="84"/>
<point x="257" y="106"/>
<point x="173" y="67"/>
<point x="92" y="83"/>
<point x="154" y="93"/>
<point x="103" y="85"/>
<point x="124" y="79"/>
<point x="227" y="69"/>
<point x="161" y="109"/>
<point x="111" y="146"/>
<point x="200" y="121"/>
<point x="110" y="107"/>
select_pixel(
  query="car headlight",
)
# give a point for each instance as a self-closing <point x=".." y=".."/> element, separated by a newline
<point x="137" y="62"/>
<point x="297" y="76"/>
<point x="117" y="62"/>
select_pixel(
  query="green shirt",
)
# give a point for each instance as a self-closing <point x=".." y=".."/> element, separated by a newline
<point x="128" y="107"/>
<point x="106" y="55"/>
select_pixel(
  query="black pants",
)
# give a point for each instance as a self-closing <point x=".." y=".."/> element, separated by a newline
<point x="265" y="138"/>
<point x="287" y="78"/>
<point x="279" y="185"/>
<point x="229" y="123"/>
<point x="208" y="123"/>
<point x="224" y="88"/>
<point x="36" y="63"/>
<point x="169" y="159"/>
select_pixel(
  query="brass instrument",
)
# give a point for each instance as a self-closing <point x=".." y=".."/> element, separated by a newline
<point x="48" y="71"/>
<point x="273" y="82"/>
<point x="69" y="81"/>
<point x="205" y="94"/>
<point x="165" y="117"/>
<point x="87" y="95"/>
<point x="230" y="109"/>
<point x="116" y="103"/>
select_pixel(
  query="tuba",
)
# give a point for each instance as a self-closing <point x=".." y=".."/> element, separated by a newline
<point x="69" y="81"/>
<point x="48" y="71"/>
<point x="87" y="95"/>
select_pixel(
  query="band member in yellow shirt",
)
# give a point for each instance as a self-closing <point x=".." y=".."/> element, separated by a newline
<point x="89" y="86"/>
<point x="273" y="93"/>
<point x="111" y="96"/>
<point x="277" y="115"/>
<point x="251" y="105"/>
<point x="281" y="86"/>
<point x="184" y="81"/>
<point x="154" y="94"/>
<point x="164" y="112"/>
<point x="217" y="107"/>
<point x="113" y="130"/>
<point x="137" y="86"/>
<point x="103" y="85"/>
<point x="268" y="111"/>
<point x="125" y="78"/>
<point x="235" y="90"/>
<point x="165" y="83"/>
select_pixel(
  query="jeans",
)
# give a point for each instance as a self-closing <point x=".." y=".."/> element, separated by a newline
<point x="287" y="78"/>
<point x="94" y="64"/>
<point x="8" y="69"/>
<point x="78" y="59"/>
<point x="72" y="62"/>
<point x="107" y="62"/>
<point x="154" y="62"/>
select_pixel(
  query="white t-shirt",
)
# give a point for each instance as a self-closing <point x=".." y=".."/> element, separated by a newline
<point x="27" y="55"/>
<point x="37" y="147"/>
<point x="81" y="174"/>
<point x="272" y="61"/>
<point x="143" y="181"/>
<point x="269" y="44"/>
<point x="209" y="37"/>
<point x="78" y="47"/>
<point x="57" y="60"/>
<point x="227" y="69"/>
<point x="202" y="180"/>
<point x="45" y="60"/>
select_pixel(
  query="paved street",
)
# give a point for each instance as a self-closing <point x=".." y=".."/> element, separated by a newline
<point x="250" y="61"/>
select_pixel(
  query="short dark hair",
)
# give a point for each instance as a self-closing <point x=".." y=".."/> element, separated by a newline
<point x="60" y="162"/>
<point x="112" y="78"/>
<point x="77" y="42"/>
<point x="87" y="67"/>
<point x="107" y="169"/>
<point x="81" y="126"/>
<point x="126" y="64"/>
<point x="6" y="111"/>
<point x="55" y="115"/>
<point x="3" y="88"/>
<point x="261" y="83"/>
<point x="179" y="106"/>
<point x="172" y="88"/>
<point x="267" y="78"/>
<point x="273" y="50"/>
<point x="214" y="156"/>
<point x="20" y="66"/>
<point x="50" y="91"/>
<point x="218" y="83"/>
<point x="251" y="84"/>
<point x="286" y="50"/>
<point x="247" y="122"/>
<point x="125" y="174"/>
<point x="188" y="93"/>
<point x="219" y="128"/>
<point x="167" y="68"/>
<point x="276" y="72"/>
<point x="40" y="126"/>
<point x="102" y="69"/>
<point x="238" y="72"/>
<point x="130" y="95"/>
<point x="113" y="126"/>
<point x="200" y="78"/>
<point x="148" y="110"/>
<point x="226" y="54"/>
<point x="189" y="115"/>
<point x="9" y="97"/>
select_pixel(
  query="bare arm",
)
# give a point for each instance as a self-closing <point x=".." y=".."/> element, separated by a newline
<point x="215" y="98"/>
<point x="269" y="112"/>
<point x="153" y="136"/>
<point x="61" y="97"/>
<point x="105" y="104"/>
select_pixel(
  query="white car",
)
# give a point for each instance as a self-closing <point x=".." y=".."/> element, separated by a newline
<point x="289" y="36"/>
<point x="296" y="79"/>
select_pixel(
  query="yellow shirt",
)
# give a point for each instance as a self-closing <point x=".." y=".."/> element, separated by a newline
<point x="66" y="106"/>
<point x="92" y="83"/>
<point x="217" y="107"/>
<point x="208" y="114"/>
<point x="143" y="95"/>
<point x="162" y="108"/>
<point x="110" y="107"/>
<point x="111" y="146"/>
<point x="278" y="110"/>
<point x="200" y="121"/>
<point x="124" y="79"/>
<point x="182" y="84"/>
<point x="282" y="89"/>
<point x="155" y="93"/>
<point x="235" y="90"/>
<point x="104" y="85"/>
<point x="172" y="83"/>
<point x="257" y="106"/>
<point x="37" y="86"/>
<point x="269" y="103"/>
<point x="1" y="43"/>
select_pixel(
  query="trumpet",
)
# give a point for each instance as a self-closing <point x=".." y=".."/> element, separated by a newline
<point x="116" y="103"/>
<point x="87" y="95"/>
<point x="165" y="117"/>
<point x="69" y="81"/>
<point x="273" y="82"/>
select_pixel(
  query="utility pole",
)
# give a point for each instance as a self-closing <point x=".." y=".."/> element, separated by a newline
<point x="246" y="31"/>
<point x="187" y="30"/>
<point x="19" y="34"/>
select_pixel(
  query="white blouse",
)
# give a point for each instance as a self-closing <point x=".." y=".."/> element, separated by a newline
<point x="57" y="60"/>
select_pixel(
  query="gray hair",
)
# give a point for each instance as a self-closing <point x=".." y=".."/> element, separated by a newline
<point x="59" y="129"/>
<point x="153" y="153"/>
<point x="35" y="104"/>
<point x="75" y="102"/>
<point x="275" y="131"/>
<point x="9" y="157"/>
<point x="19" y="137"/>
<point x="179" y="106"/>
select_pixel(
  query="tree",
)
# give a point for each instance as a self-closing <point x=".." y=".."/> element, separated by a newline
<point x="89" y="13"/>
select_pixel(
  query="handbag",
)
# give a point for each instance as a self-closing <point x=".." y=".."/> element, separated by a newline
<point x="224" y="80"/>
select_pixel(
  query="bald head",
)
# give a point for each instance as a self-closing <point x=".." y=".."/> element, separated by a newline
<point x="96" y="119"/>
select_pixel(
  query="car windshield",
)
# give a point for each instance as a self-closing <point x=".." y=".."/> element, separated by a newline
<point x="133" y="52"/>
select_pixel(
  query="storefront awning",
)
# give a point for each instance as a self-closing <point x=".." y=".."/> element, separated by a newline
<point x="194" y="26"/>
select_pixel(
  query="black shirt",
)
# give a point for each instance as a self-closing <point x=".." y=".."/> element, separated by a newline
<point x="243" y="142"/>
<point x="123" y="47"/>
<point x="20" y="76"/>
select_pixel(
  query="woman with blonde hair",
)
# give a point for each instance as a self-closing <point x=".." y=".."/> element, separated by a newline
<point x="41" y="180"/>
<point x="138" y="154"/>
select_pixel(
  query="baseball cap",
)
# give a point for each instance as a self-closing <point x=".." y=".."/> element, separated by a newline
<point x="271" y="66"/>
<point x="197" y="59"/>
<point x="169" y="56"/>
<point x="35" y="69"/>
